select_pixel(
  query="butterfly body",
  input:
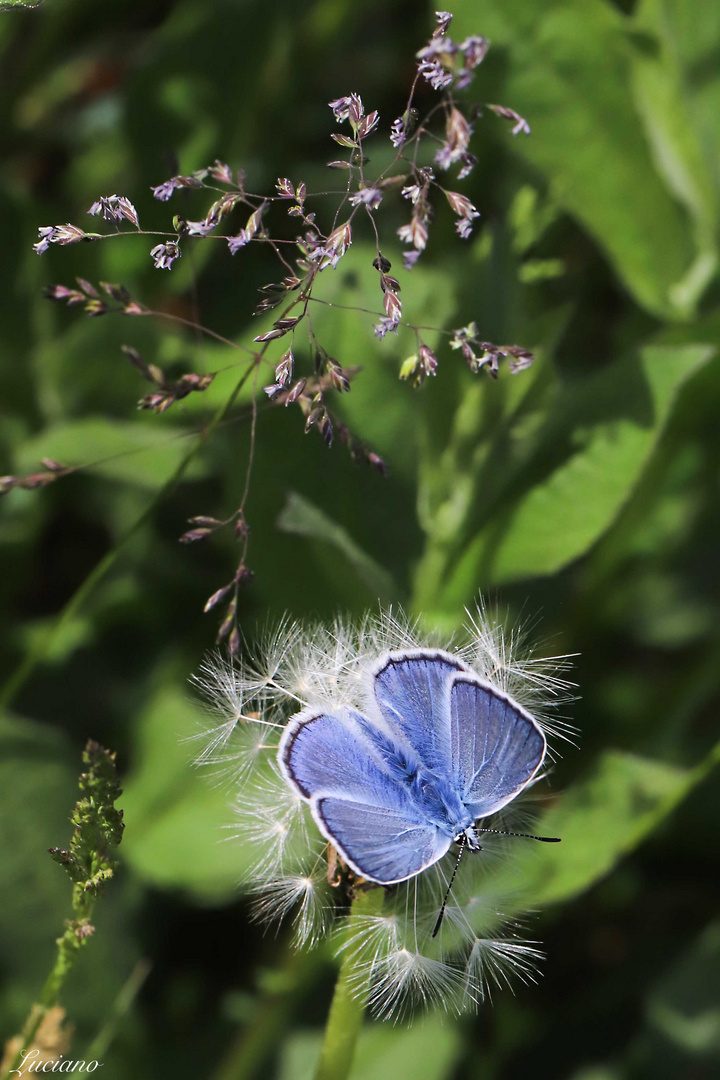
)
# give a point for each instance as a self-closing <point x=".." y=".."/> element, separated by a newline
<point x="434" y="749"/>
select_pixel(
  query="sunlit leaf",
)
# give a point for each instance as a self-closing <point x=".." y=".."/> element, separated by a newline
<point x="619" y="421"/>
<point x="568" y="72"/>
<point x="599" y="820"/>
<point x="177" y="819"/>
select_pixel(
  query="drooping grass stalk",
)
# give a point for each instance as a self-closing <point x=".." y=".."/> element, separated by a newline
<point x="345" y="1019"/>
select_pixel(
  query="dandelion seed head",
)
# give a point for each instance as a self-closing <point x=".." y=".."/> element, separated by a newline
<point x="371" y="935"/>
<point x="401" y="960"/>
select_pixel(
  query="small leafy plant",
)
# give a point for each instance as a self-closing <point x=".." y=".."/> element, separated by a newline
<point x="98" y="828"/>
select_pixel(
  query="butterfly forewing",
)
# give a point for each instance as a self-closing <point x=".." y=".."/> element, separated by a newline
<point x="412" y="691"/>
<point x="496" y="746"/>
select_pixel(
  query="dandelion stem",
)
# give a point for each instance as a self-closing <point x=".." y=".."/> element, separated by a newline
<point x="346" y="1011"/>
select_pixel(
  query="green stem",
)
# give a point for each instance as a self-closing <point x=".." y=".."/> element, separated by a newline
<point x="69" y="947"/>
<point x="345" y="1020"/>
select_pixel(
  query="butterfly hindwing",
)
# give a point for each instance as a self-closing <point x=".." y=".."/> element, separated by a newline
<point x="380" y="844"/>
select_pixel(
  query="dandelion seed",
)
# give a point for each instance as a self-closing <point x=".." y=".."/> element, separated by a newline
<point x="304" y="895"/>
<point x="404" y="980"/>
<point x="496" y="963"/>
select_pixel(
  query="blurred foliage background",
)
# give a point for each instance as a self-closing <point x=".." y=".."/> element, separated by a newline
<point x="584" y="490"/>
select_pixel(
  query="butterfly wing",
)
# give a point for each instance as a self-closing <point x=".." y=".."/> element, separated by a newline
<point x="365" y="811"/>
<point x="496" y="746"/>
<point x="383" y="845"/>
<point x="412" y="690"/>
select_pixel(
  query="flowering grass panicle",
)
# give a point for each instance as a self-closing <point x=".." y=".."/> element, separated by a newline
<point x="308" y="232"/>
<point x="403" y="956"/>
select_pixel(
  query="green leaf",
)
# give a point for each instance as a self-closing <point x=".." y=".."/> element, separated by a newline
<point x="176" y="817"/>
<point x="301" y="517"/>
<point x="690" y="40"/>
<point x="139" y="453"/>
<point x="599" y="820"/>
<point x="569" y="73"/>
<point x="664" y="102"/>
<point x="562" y="516"/>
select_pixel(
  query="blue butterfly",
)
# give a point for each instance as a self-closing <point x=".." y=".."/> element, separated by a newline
<point x="437" y="749"/>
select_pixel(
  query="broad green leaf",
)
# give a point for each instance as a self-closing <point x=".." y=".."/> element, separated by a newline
<point x="137" y="453"/>
<point x="177" y="817"/>
<point x="663" y="101"/>
<point x="562" y="516"/>
<point x="301" y="517"/>
<point x="691" y="39"/>
<point x="599" y="820"/>
<point x="568" y="73"/>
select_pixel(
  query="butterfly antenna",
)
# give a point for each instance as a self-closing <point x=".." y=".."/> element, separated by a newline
<point x="524" y="835"/>
<point x="441" y="916"/>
